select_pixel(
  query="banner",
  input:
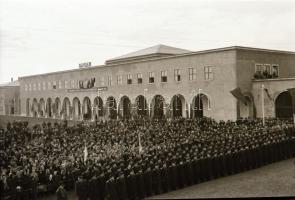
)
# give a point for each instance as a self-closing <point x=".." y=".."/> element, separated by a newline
<point x="238" y="94"/>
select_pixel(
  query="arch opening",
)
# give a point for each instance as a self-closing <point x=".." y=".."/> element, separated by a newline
<point x="42" y="108"/>
<point x="57" y="107"/>
<point x="112" y="107"/>
<point x="49" y="107"/>
<point x="86" y="109"/>
<point x="201" y="104"/>
<point x="178" y="106"/>
<point x="125" y="108"/>
<point x="158" y="107"/>
<point x="141" y="106"/>
<point x="66" y="113"/>
<point x="28" y="107"/>
<point x="283" y="106"/>
<point x="98" y="108"/>
<point x="76" y="108"/>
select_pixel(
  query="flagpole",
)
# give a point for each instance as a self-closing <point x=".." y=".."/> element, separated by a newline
<point x="262" y="104"/>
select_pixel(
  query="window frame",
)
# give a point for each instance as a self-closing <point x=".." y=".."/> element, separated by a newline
<point x="208" y="72"/>
<point x="129" y="79"/>
<point x="110" y="80"/>
<point x="139" y="78"/>
<point x="164" y="76"/>
<point x="151" y="77"/>
<point x="177" y="75"/>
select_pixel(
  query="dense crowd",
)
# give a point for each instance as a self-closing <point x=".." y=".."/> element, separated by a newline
<point x="134" y="159"/>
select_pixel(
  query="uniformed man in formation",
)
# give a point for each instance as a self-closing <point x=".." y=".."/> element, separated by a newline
<point x="135" y="159"/>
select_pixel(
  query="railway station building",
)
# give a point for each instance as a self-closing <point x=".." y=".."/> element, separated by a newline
<point x="162" y="81"/>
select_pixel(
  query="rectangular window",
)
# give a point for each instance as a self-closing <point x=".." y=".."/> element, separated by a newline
<point x="101" y="81"/>
<point x="44" y="86"/>
<point x="59" y="84"/>
<point x="39" y="86"/>
<point x="129" y="79"/>
<point x="66" y="84"/>
<point x="72" y="84"/>
<point x="119" y="80"/>
<point x="49" y="86"/>
<point x="139" y="78"/>
<point x="164" y="76"/>
<point x="151" y="77"/>
<point x="177" y="75"/>
<point x="208" y="72"/>
<point x="54" y="85"/>
<point x="258" y="68"/>
<point x="275" y="71"/>
<point x="26" y="87"/>
<point x="34" y="86"/>
<point x="192" y="74"/>
<point x="30" y="87"/>
<point x="110" y="80"/>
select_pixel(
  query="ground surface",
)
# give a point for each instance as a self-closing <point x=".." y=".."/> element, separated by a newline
<point x="277" y="179"/>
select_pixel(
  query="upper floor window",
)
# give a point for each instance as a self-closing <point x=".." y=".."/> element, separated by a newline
<point x="129" y="79"/>
<point x="72" y="84"/>
<point x="39" y="86"/>
<point x="34" y="86"/>
<point x="30" y="87"/>
<point x="192" y="74"/>
<point x="177" y="75"/>
<point x="119" y="79"/>
<point x="266" y="71"/>
<point x="54" y="85"/>
<point x="101" y="80"/>
<point x="275" y="70"/>
<point x="208" y="71"/>
<point x="151" y="77"/>
<point x="26" y="87"/>
<point x="110" y="80"/>
<point x="49" y="86"/>
<point x="44" y="86"/>
<point x="59" y="84"/>
<point x="164" y="76"/>
<point x="139" y="78"/>
<point x="66" y="84"/>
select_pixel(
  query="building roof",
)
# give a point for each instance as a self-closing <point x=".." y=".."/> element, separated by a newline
<point x="10" y="84"/>
<point x="154" y="51"/>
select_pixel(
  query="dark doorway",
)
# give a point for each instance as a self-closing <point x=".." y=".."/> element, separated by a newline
<point x="177" y="106"/>
<point x="284" y="106"/>
<point x="158" y="107"/>
<point x="141" y="106"/>
<point x="198" y="107"/>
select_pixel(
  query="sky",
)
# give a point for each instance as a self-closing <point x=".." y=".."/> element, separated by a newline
<point x="40" y="36"/>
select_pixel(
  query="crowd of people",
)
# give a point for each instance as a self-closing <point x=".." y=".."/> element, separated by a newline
<point x="133" y="159"/>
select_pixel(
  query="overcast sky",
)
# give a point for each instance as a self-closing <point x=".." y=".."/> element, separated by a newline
<point x="39" y="36"/>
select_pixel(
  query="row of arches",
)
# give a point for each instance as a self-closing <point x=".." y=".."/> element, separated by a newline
<point x="111" y="108"/>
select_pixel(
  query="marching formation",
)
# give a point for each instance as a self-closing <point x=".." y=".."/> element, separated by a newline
<point x="134" y="159"/>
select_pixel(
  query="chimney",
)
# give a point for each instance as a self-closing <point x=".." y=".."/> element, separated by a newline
<point x="11" y="79"/>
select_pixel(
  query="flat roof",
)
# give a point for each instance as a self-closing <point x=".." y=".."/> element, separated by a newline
<point x="167" y="57"/>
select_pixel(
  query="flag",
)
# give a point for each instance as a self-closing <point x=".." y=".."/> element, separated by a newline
<point x="238" y="94"/>
<point x="85" y="153"/>
<point x="140" y="150"/>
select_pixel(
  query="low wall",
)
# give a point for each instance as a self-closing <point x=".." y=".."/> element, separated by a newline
<point x="4" y="119"/>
